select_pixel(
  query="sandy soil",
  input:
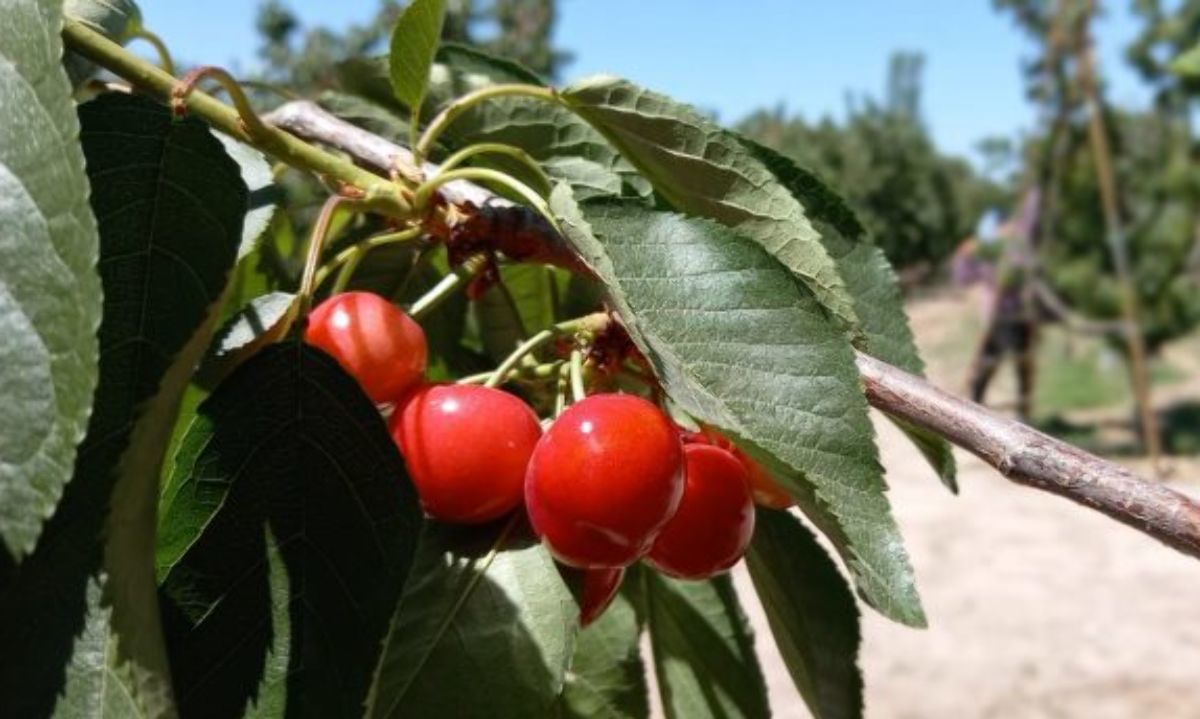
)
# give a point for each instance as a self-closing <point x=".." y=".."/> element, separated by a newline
<point x="1037" y="607"/>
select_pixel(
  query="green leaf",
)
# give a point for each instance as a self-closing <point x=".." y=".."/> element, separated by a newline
<point x="49" y="290"/>
<point x="270" y="699"/>
<point x="263" y="196"/>
<point x="741" y="345"/>
<point x="703" y="170"/>
<point x="811" y="612"/>
<point x="607" y="679"/>
<point x="569" y="149"/>
<point x="872" y="283"/>
<point x="287" y="443"/>
<point x="1187" y="63"/>
<point x="118" y="20"/>
<point x="703" y="649"/>
<point x="95" y="687"/>
<point x="261" y="322"/>
<point x="485" y="629"/>
<point x="170" y="204"/>
<point x="503" y="324"/>
<point x="414" y="42"/>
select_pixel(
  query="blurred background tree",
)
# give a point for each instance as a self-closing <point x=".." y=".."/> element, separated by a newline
<point x="918" y="202"/>
<point x="1155" y="164"/>
<point x="301" y="58"/>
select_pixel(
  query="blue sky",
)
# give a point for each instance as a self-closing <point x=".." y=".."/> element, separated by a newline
<point x="732" y="57"/>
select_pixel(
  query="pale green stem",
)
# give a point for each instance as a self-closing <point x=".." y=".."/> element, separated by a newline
<point x="509" y="364"/>
<point x="380" y="193"/>
<point x="452" y="111"/>
<point x="188" y="83"/>
<point x="164" y="55"/>
<point x="577" y="390"/>
<point x="585" y="323"/>
<point x="560" y="397"/>
<point x="316" y="244"/>
<point x="534" y="372"/>
<point x="497" y="148"/>
<point x="357" y="254"/>
<point x="447" y="286"/>
<point x="347" y="255"/>
<point x="482" y="174"/>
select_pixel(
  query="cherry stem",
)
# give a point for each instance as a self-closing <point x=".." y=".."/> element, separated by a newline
<point x="510" y="362"/>
<point x="578" y="392"/>
<point x="448" y="284"/>
<point x="316" y="244"/>
<point x="560" y="398"/>
<point x="424" y="193"/>
<point x="584" y="325"/>
<point x="279" y="144"/>
<point x="349" y="258"/>
<point x="456" y="108"/>
<point x="164" y="55"/>
<point x="498" y="148"/>
<point x="252" y="123"/>
<point x="544" y="371"/>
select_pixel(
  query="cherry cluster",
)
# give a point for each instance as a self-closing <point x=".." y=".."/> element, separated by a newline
<point x="611" y="480"/>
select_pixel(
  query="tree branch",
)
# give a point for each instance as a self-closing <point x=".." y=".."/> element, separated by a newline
<point x="1028" y="457"/>
<point x="516" y="230"/>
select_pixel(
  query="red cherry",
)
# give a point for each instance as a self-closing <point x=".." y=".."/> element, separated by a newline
<point x="599" y="589"/>
<point x="715" y="521"/>
<point x="466" y="448"/>
<point x="763" y="487"/>
<point x="604" y="479"/>
<point x="372" y="339"/>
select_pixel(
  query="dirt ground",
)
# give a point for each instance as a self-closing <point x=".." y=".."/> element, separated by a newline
<point x="1038" y="608"/>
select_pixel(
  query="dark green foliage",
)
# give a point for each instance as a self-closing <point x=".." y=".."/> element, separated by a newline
<point x="703" y="649"/>
<point x="289" y="453"/>
<point x="1160" y="186"/>
<point x="607" y="679"/>
<point x="485" y="629"/>
<point x="811" y="613"/>
<point x="172" y="255"/>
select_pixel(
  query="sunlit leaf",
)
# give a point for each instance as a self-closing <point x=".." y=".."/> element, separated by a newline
<point x="703" y="649"/>
<point x="871" y="282"/>
<point x="414" y="42"/>
<point x="811" y="612"/>
<point x="740" y="344"/>
<point x="479" y="600"/>
<point x="703" y="170"/>
<point x="170" y="204"/>
<point x="49" y="289"/>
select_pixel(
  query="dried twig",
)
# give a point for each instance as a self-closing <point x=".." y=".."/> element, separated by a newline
<point x="1027" y="456"/>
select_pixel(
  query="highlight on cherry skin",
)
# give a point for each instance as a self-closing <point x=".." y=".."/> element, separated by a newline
<point x="604" y="479"/>
<point x="467" y="448"/>
<point x="715" y="521"/>
<point x="375" y="341"/>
